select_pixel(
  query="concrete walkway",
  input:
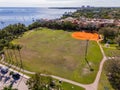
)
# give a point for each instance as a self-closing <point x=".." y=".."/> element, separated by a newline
<point x="92" y="86"/>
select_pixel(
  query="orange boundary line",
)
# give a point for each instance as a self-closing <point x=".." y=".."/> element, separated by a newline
<point x="85" y="36"/>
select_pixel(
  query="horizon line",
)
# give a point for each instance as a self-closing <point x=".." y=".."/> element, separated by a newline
<point x="60" y="6"/>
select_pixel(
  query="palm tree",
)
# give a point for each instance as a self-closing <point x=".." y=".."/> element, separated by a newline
<point x="14" y="47"/>
<point x="8" y="54"/>
<point x="19" y="47"/>
<point x="11" y="53"/>
<point x="38" y="82"/>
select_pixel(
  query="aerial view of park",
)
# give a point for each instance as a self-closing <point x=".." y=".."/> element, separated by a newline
<point x="59" y="45"/>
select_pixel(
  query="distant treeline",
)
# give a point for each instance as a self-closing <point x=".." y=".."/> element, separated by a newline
<point x="96" y="12"/>
<point x="82" y="7"/>
<point x="64" y="7"/>
<point x="67" y="25"/>
<point x="54" y="25"/>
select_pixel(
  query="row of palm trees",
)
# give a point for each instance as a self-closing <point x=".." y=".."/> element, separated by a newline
<point x="11" y="55"/>
<point x="11" y="51"/>
<point x="7" y="34"/>
<point x="37" y="81"/>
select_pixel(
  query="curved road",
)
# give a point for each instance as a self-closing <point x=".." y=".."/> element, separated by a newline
<point x="92" y="86"/>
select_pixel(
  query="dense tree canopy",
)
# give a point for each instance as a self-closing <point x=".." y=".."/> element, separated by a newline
<point x="9" y="88"/>
<point x="109" y="33"/>
<point x="113" y="73"/>
<point x="39" y="82"/>
<point x="11" y="32"/>
<point x="64" y="25"/>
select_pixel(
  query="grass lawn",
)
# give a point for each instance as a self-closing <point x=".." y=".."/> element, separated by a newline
<point x="111" y="51"/>
<point x="56" y="52"/>
<point x="67" y="86"/>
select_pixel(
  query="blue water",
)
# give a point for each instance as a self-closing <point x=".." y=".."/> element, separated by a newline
<point x="26" y="15"/>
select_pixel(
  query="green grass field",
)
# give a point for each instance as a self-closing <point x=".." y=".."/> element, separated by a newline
<point x="67" y="86"/>
<point x="56" y="52"/>
<point x="111" y="51"/>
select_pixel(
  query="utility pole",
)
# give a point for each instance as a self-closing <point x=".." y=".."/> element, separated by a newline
<point x="86" y="51"/>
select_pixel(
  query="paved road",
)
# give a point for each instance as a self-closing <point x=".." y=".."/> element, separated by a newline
<point x="92" y="86"/>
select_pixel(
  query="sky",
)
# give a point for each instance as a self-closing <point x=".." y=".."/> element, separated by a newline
<point x="58" y="3"/>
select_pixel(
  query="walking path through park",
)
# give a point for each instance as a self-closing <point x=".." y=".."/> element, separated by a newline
<point x="92" y="86"/>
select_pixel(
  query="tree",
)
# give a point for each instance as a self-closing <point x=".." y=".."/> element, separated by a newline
<point x="9" y="88"/>
<point x="39" y="82"/>
<point x="118" y="40"/>
<point x="19" y="47"/>
<point x="113" y="73"/>
<point x="8" y="53"/>
<point x="10" y="47"/>
<point x="14" y="48"/>
<point x="108" y="33"/>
